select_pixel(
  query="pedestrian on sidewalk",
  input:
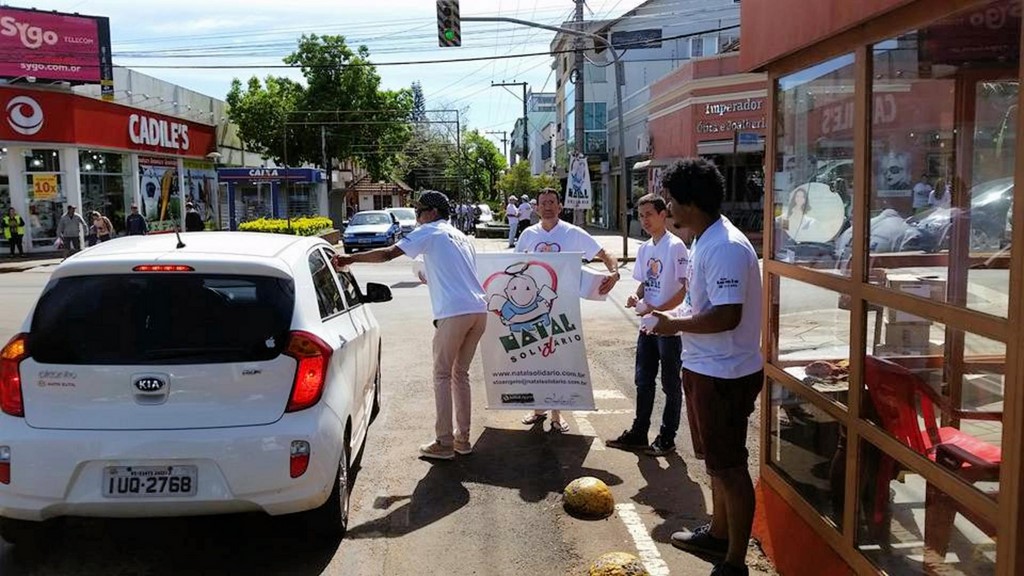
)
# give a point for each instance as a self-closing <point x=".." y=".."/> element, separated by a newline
<point x="14" y="231"/>
<point x="460" y="314"/>
<point x="193" y="219"/>
<point x="525" y="214"/>
<point x="71" y="229"/>
<point x="512" y="214"/>
<point x="553" y="234"/>
<point x="723" y="370"/>
<point x="661" y="264"/>
<point x="103" y="226"/>
<point x="135" y="223"/>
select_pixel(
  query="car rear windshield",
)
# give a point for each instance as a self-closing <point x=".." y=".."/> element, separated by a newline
<point x="152" y="318"/>
<point x="360" y="219"/>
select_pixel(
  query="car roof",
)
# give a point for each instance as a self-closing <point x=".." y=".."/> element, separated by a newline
<point x="207" y="251"/>
<point x="381" y="212"/>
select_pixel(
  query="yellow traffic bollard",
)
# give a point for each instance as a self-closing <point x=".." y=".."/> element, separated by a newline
<point x="589" y="498"/>
<point x="618" y="564"/>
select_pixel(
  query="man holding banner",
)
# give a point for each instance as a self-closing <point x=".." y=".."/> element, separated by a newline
<point x="460" y="314"/>
<point x="552" y="234"/>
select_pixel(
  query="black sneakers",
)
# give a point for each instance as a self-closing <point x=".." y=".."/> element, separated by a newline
<point x="726" y="569"/>
<point x="660" y="447"/>
<point x="701" y="541"/>
<point x="629" y="440"/>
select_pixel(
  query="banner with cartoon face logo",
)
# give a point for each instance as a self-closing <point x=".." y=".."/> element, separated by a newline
<point x="534" y="353"/>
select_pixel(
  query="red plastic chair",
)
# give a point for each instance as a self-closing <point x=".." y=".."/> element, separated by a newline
<point x="897" y="394"/>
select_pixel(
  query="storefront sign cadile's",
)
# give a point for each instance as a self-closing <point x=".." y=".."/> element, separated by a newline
<point x="144" y="130"/>
<point x="715" y="114"/>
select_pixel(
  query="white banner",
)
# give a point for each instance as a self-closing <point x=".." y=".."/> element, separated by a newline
<point x="533" y="351"/>
<point x="578" y="193"/>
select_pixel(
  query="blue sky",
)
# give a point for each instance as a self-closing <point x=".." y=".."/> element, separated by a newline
<point x="260" y="32"/>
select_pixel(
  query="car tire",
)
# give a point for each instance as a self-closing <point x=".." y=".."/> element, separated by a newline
<point x="330" y="519"/>
<point x="22" y="532"/>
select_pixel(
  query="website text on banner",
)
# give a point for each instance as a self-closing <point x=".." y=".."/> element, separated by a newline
<point x="534" y="353"/>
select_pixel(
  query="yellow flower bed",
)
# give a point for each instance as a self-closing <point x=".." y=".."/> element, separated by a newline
<point x="303" y="226"/>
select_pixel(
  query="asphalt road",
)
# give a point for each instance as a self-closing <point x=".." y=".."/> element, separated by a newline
<point x="495" y="512"/>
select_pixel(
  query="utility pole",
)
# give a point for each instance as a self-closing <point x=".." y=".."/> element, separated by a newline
<point x="526" y="126"/>
<point x="504" y="142"/>
<point x="578" y="80"/>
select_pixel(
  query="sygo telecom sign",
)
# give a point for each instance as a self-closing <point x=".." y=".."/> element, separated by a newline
<point x="55" y="46"/>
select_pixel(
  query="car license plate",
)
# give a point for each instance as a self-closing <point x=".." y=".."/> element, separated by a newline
<point x="149" y="481"/>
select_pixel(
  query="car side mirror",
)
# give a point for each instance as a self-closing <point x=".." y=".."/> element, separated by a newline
<point x="377" y="292"/>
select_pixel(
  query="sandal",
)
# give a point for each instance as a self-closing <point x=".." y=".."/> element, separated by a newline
<point x="559" y="426"/>
<point x="533" y="418"/>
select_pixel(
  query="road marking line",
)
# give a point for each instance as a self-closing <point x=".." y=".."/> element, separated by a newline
<point x="603" y="412"/>
<point x="645" y="545"/>
<point x="587" y="429"/>
<point x="608" y="395"/>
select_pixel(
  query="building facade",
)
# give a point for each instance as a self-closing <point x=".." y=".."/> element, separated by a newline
<point x="893" y="294"/>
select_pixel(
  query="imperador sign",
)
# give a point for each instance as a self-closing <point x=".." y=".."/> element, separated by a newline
<point x="744" y="115"/>
<point x="533" y="350"/>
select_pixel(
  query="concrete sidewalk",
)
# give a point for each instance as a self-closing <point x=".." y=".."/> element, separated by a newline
<point x="28" y="262"/>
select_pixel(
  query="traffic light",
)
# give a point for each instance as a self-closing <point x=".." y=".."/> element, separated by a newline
<point x="449" y="31"/>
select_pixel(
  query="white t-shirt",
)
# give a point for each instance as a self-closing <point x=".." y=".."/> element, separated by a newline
<point x="724" y="270"/>
<point x="564" y="237"/>
<point x="450" y="262"/>
<point x="525" y="210"/>
<point x="512" y="212"/>
<point x="661" y="268"/>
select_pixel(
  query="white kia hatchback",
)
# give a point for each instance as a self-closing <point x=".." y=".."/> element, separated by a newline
<point x="236" y="373"/>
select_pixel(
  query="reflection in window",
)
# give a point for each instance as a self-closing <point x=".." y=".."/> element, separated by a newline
<point x="940" y="392"/>
<point x="908" y="526"/>
<point x="943" y="150"/>
<point x="807" y="448"/>
<point x="812" y="337"/>
<point x="814" y="167"/>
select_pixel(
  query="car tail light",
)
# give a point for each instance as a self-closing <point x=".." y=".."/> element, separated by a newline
<point x="5" y="464"/>
<point x="313" y="356"/>
<point x="163" y="268"/>
<point x="300" y="458"/>
<point x="10" y="380"/>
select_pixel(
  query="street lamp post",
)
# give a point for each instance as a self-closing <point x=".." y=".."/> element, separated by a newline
<point x="620" y="82"/>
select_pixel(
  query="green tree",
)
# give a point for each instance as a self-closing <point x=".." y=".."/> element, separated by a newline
<point x="519" y="181"/>
<point x="341" y="102"/>
<point x="419" y="103"/>
<point x="482" y="165"/>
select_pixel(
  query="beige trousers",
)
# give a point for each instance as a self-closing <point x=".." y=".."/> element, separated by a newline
<point x="455" y="344"/>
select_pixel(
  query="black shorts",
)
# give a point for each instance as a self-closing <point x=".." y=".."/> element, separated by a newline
<point x="718" y="410"/>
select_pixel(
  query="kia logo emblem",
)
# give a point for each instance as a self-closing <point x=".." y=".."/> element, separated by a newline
<point x="150" y="384"/>
<point x="24" y="115"/>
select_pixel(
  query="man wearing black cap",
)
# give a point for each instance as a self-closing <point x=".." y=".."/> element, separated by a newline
<point x="460" y="314"/>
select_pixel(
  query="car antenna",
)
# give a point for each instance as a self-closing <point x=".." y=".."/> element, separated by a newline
<point x="177" y="232"/>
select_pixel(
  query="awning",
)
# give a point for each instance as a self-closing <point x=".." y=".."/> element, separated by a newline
<point x="654" y="163"/>
<point x="727" y="147"/>
<point x="642" y="165"/>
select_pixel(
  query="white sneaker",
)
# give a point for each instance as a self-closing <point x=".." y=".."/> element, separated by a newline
<point x="463" y="447"/>
<point x="435" y="450"/>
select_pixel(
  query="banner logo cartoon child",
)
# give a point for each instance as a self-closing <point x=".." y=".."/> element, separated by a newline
<point x="533" y="350"/>
<point x="523" y="296"/>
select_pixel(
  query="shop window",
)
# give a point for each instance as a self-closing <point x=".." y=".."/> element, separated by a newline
<point x="943" y="140"/>
<point x="813" y="182"/>
<point x="940" y="392"/>
<point x="105" y="187"/>
<point x="806" y="446"/>
<point x="811" y="337"/>
<point x="45" y="186"/>
<point x="908" y="525"/>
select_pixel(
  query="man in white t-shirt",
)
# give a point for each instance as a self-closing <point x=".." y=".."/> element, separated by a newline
<point x="460" y="314"/>
<point x="512" y="213"/>
<point x="525" y="213"/>
<point x="661" y="266"/>
<point x="723" y="370"/>
<point x="552" y="234"/>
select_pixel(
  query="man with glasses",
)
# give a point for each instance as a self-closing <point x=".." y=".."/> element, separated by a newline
<point x="135" y="223"/>
<point x="460" y="314"/>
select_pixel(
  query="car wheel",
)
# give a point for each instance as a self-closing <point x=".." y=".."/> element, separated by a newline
<point x="376" y="394"/>
<point x="330" y="519"/>
<point x="22" y="532"/>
